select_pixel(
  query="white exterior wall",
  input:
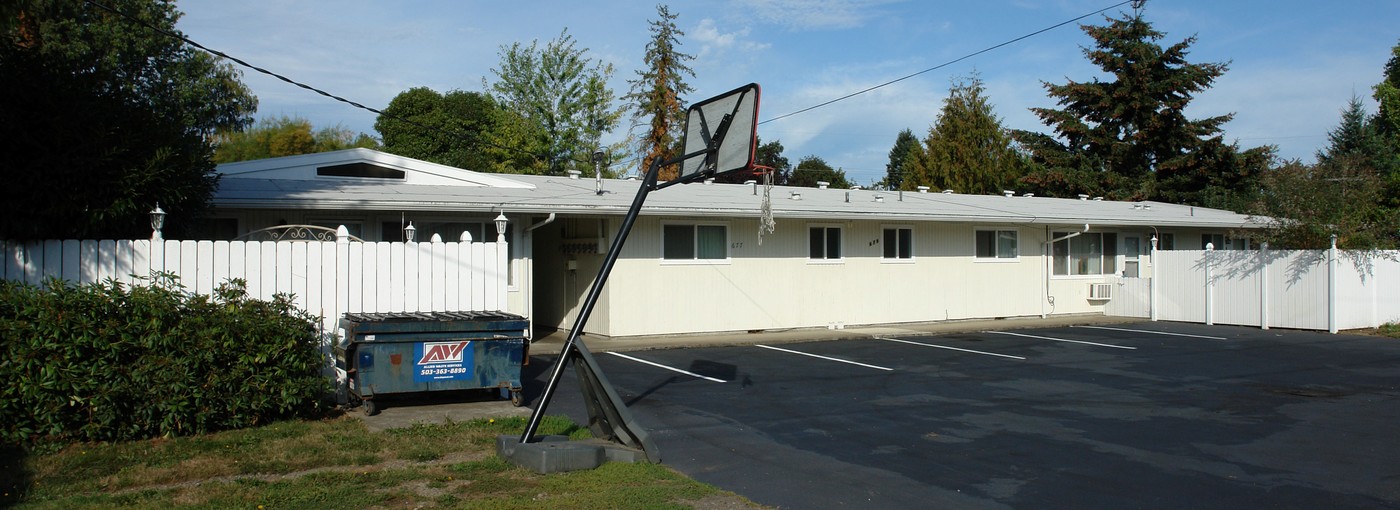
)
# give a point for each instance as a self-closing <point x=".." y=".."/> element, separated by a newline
<point x="776" y="286"/>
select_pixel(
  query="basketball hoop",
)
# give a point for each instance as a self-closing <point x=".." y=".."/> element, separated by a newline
<point x="766" y="223"/>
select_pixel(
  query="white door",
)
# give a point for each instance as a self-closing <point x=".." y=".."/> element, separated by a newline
<point x="1132" y="249"/>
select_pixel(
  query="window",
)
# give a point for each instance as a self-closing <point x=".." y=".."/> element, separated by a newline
<point x="1086" y="254"/>
<point x="694" y="242"/>
<point x="1220" y="242"/>
<point x="1167" y="241"/>
<point x="898" y="243"/>
<point x="824" y="243"/>
<point x="996" y="244"/>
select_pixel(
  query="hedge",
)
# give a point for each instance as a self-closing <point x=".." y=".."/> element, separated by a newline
<point x="113" y="362"/>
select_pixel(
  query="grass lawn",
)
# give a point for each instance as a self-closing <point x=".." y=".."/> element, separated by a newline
<point x="337" y="463"/>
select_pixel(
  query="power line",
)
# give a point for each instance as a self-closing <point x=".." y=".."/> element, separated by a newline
<point x="461" y="136"/>
<point x="951" y="62"/>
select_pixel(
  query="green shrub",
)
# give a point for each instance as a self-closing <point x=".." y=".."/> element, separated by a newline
<point x="109" y="362"/>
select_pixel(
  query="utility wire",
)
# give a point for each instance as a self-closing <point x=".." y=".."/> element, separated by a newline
<point x="464" y="137"/>
<point x="951" y="62"/>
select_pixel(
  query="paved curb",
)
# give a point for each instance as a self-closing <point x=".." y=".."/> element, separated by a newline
<point x="551" y="344"/>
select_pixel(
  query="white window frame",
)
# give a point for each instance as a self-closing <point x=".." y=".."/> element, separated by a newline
<point x="1102" y="255"/>
<point x="1016" y="257"/>
<point x="841" y="231"/>
<point x="896" y="259"/>
<point x="696" y="246"/>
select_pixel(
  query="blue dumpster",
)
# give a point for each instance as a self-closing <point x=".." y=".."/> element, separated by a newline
<point x="387" y="354"/>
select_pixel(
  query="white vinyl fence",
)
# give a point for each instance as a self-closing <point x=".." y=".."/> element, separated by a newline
<point x="1302" y="289"/>
<point x="326" y="279"/>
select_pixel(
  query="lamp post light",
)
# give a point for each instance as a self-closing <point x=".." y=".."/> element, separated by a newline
<point x="409" y="232"/>
<point x="501" y="222"/>
<point x="157" y="222"/>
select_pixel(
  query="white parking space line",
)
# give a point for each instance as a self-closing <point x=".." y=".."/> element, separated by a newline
<point x="951" y="348"/>
<point x="824" y="357"/>
<point x="1153" y="332"/>
<point x="673" y="369"/>
<point x="1058" y="339"/>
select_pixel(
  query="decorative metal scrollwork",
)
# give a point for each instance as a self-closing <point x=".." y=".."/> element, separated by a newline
<point x="302" y="233"/>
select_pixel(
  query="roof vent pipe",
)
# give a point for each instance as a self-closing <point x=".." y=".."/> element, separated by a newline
<point x="848" y="197"/>
<point x="879" y="198"/>
<point x="754" y="184"/>
<point x="573" y="174"/>
<point x="1008" y="193"/>
<point x="901" y="195"/>
<point x="923" y="189"/>
<point x="795" y="195"/>
<point x="822" y="184"/>
<point x="1083" y="197"/>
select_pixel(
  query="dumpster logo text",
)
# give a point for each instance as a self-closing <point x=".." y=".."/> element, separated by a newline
<point x="443" y="352"/>
<point x="444" y="361"/>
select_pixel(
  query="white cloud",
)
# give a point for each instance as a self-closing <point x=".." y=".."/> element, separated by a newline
<point x="714" y="43"/>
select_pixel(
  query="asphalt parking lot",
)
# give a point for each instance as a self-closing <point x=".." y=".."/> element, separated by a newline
<point x="1141" y="415"/>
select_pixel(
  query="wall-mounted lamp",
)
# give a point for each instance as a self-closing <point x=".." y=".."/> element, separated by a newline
<point x="501" y="222"/>
<point x="409" y="232"/>
<point x="157" y="222"/>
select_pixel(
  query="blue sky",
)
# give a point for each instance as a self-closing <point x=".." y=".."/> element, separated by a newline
<point x="1293" y="64"/>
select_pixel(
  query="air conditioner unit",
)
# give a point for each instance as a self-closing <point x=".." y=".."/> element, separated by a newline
<point x="1101" y="291"/>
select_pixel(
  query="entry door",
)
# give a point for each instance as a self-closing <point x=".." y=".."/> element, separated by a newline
<point x="1132" y="248"/>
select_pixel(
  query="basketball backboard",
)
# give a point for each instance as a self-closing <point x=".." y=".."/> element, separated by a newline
<point x="728" y="120"/>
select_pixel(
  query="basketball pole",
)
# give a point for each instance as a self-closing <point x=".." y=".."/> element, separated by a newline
<point x="648" y="185"/>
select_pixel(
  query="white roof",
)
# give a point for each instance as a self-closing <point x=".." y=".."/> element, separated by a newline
<point x="292" y="183"/>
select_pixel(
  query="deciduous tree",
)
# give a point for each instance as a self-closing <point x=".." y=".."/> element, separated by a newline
<point x="461" y="129"/>
<point x="560" y="100"/>
<point x="274" y="137"/>
<point x="104" y="116"/>
<point x="811" y="169"/>
<point x="657" y="93"/>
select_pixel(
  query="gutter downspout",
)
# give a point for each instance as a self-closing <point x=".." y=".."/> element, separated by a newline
<point x="529" y="251"/>
<point x="1046" y="250"/>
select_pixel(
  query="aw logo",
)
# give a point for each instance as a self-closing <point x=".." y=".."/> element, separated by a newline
<point x="442" y="352"/>
<point x="444" y="361"/>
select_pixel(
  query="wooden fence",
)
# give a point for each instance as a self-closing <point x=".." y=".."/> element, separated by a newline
<point x="326" y="279"/>
<point x="1303" y="289"/>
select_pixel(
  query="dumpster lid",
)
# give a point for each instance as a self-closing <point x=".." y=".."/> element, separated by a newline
<point x="431" y="316"/>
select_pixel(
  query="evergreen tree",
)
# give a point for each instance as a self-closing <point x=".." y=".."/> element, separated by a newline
<point x="811" y="169"/>
<point x="1129" y="137"/>
<point x="657" y="91"/>
<point x="895" y="169"/>
<point x="1344" y="194"/>
<point x="967" y="148"/>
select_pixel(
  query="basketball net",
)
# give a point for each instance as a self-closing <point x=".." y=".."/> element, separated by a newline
<point x="766" y="223"/>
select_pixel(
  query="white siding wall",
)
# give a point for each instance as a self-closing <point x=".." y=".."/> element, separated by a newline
<point x="776" y="286"/>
